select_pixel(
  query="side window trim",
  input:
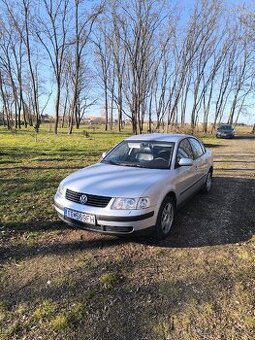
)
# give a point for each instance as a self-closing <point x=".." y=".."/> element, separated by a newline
<point x="187" y="139"/>
<point x="202" y="147"/>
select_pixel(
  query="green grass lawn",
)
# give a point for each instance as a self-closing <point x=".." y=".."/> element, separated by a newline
<point x="32" y="166"/>
<point x="55" y="285"/>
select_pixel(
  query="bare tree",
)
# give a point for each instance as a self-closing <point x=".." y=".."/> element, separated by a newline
<point x="242" y="75"/>
<point x="138" y="26"/>
<point x="23" y="26"/>
<point x="119" y="55"/>
<point x="149" y="65"/>
<point x="52" y="32"/>
<point x="83" y="24"/>
<point x="103" y="55"/>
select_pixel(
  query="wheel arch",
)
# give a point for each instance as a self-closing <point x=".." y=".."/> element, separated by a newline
<point x="172" y="195"/>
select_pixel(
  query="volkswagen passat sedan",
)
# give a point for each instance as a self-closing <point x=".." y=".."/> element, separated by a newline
<point x="136" y="185"/>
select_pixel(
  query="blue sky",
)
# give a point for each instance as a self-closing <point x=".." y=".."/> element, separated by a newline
<point x="186" y="6"/>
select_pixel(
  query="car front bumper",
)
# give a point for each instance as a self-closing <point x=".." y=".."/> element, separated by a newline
<point x="224" y="135"/>
<point x="109" y="221"/>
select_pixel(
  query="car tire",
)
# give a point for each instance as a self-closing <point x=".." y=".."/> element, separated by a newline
<point x="208" y="183"/>
<point x="165" y="218"/>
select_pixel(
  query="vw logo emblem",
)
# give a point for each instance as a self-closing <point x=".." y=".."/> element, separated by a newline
<point x="83" y="199"/>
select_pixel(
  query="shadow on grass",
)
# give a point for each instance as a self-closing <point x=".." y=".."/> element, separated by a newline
<point x="225" y="216"/>
<point x="13" y="189"/>
<point x="111" y="133"/>
<point x="37" y="226"/>
<point x="43" y="168"/>
<point x="251" y="136"/>
<point x="18" y="252"/>
<point x="211" y="146"/>
<point x="233" y="161"/>
<point x="234" y="169"/>
<point x="61" y="152"/>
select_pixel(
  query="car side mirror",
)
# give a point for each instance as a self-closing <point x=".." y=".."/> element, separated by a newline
<point x="185" y="162"/>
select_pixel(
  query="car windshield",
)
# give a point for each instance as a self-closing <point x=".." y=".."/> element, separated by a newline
<point x="142" y="154"/>
<point x="225" y="127"/>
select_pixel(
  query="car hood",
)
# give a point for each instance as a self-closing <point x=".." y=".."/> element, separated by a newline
<point x="114" y="180"/>
<point x="224" y="131"/>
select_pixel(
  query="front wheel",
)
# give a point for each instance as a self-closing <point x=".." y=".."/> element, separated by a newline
<point x="165" y="218"/>
<point x="208" y="183"/>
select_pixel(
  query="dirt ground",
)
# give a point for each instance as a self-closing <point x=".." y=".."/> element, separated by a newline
<point x="199" y="283"/>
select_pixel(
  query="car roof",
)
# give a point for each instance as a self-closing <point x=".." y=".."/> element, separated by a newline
<point x="159" y="137"/>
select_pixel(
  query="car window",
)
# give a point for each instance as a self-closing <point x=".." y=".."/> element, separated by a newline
<point x="197" y="147"/>
<point x="184" y="150"/>
<point x="225" y="127"/>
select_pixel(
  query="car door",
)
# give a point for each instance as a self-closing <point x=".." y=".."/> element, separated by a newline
<point x="199" y="161"/>
<point x="185" y="176"/>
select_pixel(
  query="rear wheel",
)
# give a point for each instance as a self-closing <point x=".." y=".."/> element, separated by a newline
<point x="165" y="218"/>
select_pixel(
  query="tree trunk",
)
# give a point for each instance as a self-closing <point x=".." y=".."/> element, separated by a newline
<point x="253" y="129"/>
<point x="57" y="105"/>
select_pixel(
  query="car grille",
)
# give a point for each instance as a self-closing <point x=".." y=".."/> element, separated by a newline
<point x="93" y="200"/>
<point x="118" y="229"/>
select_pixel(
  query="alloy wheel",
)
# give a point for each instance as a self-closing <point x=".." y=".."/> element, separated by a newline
<point x="167" y="218"/>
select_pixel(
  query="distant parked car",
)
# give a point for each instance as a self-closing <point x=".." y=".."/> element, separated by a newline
<point x="225" y="131"/>
<point x="137" y="185"/>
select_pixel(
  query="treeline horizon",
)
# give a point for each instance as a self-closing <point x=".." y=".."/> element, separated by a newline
<point x="146" y="60"/>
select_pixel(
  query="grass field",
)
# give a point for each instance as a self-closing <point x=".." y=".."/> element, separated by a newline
<point x="58" y="283"/>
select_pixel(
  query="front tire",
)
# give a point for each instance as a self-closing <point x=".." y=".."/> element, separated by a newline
<point x="165" y="218"/>
<point x="208" y="183"/>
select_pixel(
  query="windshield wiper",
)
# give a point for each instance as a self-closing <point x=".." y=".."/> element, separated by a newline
<point x="134" y="165"/>
<point x="111" y="162"/>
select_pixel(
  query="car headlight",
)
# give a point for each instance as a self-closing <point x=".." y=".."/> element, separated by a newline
<point x="61" y="190"/>
<point x="121" y="203"/>
<point x="143" y="203"/>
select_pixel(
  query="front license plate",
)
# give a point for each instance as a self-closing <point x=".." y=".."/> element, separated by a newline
<point x="79" y="216"/>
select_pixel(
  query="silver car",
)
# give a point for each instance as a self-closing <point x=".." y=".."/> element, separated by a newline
<point x="136" y="185"/>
